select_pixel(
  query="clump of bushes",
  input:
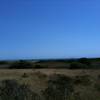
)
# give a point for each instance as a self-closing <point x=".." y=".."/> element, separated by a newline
<point x="84" y="61"/>
<point x="3" y="62"/>
<point x="77" y="65"/>
<point x="38" y="66"/>
<point x="21" y="65"/>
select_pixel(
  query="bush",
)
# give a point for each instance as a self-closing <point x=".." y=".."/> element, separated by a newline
<point x="21" y="65"/>
<point x="3" y="62"/>
<point x="84" y="61"/>
<point x="37" y="66"/>
<point x="77" y="65"/>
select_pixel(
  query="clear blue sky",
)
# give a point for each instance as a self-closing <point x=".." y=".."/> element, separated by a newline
<point x="49" y="28"/>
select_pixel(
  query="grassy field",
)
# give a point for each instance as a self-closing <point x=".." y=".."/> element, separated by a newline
<point x="37" y="79"/>
<point x="17" y="73"/>
<point x="50" y="80"/>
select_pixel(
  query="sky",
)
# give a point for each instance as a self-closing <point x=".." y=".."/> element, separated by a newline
<point x="49" y="29"/>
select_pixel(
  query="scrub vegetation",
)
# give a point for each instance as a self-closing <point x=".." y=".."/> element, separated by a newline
<point x="71" y="79"/>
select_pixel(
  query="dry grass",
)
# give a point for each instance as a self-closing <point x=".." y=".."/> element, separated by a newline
<point x="16" y="73"/>
<point x="37" y="79"/>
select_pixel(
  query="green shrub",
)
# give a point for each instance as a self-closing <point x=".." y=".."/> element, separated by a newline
<point x="77" y="65"/>
<point x="21" y="65"/>
<point x="37" y="66"/>
<point x="3" y="62"/>
<point x="84" y="61"/>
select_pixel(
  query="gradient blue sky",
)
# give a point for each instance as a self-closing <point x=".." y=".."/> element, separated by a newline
<point x="49" y="28"/>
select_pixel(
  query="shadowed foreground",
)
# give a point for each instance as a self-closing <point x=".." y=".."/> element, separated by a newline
<point x="49" y="84"/>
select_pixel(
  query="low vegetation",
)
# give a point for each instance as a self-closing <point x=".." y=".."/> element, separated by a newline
<point x="82" y="63"/>
<point x="56" y="87"/>
<point x="12" y="90"/>
<point x="67" y="79"/>
<point x="21" y="65"/>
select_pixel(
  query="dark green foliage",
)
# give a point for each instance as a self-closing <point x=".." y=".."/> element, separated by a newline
<point x="11" y="90"/>
<point x="84" y="61"/>
<point x="21" y="65"/>
<point x="77" y="65"/>
<point x="3" y="62"/>
<point x="59" y="88"/>
<point x="38" y="66"/>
